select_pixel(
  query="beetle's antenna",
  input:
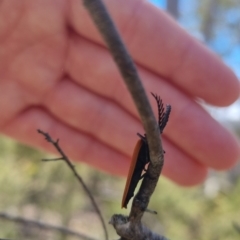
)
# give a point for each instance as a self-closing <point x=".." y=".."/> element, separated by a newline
<point x="160" y="108"/>
<point x="162" y="116"/>
<point x="165" y="118"/>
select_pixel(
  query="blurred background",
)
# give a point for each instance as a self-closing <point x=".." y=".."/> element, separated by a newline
<point x="49" y="193"/>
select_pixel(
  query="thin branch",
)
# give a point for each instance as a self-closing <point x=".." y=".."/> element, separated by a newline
<point x="132" y="80"/>
<point x="52" y="159"/>
<point x="80" y="180"/>
<point x="43" y="226"/>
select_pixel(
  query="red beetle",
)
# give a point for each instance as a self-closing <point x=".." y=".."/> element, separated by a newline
<point x="141" y="155"/>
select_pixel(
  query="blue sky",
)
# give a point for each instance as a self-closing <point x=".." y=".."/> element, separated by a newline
<point x="160" y="3"/>
<point x="223" y="41"/>
<point x="223" y="44"/>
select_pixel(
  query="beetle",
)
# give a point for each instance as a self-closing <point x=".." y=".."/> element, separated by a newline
<point x="139" y="159"/>
<point x="141" y="156"/>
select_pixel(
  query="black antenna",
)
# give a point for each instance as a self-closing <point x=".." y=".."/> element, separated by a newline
<point x="165" y="118"/>
<point x="162" y="116"/>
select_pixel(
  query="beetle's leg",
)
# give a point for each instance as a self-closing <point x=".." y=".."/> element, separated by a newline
<point x="144" y="139"/>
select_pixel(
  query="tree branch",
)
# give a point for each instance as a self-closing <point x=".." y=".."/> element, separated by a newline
<point x="130" y="75"/>
<point x="44" y="226"/>
<point x="80" y="180"/>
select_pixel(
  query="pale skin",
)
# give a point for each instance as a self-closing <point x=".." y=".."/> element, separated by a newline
<point x="56" y="75"/>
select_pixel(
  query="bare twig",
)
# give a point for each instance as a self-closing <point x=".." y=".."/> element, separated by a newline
<point x="80" y="180"/>
<point x="130" y="75"/>
<point x="44" y="226"/>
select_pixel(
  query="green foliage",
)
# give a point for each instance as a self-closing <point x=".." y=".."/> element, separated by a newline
<point x="189" y="214"/>
<point x="48" y="192"/>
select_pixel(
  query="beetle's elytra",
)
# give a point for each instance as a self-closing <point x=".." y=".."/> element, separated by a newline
<point x="139" y="159"/>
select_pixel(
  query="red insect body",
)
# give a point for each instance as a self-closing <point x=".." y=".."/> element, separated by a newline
<point x="139" y="159"/>
<point x="141" y="155"/>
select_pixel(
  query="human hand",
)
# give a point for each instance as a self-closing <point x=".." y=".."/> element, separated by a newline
<point x="57" y="75"/>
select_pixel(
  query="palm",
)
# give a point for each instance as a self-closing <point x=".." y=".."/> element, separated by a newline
<point x="39" y="49"/>
<point x="57" y="75"/>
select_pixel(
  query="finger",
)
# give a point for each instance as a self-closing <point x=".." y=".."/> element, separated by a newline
<point x="194" y="131"/>
<point x="83" y="147"/>
<point x="156" y="42"/>
<point x="181" y="168"/>
<point x="76" y="144"/>
<point x="190" y="127"/>
<point x="92" y="114"/>
<point x="93" y="68"/>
